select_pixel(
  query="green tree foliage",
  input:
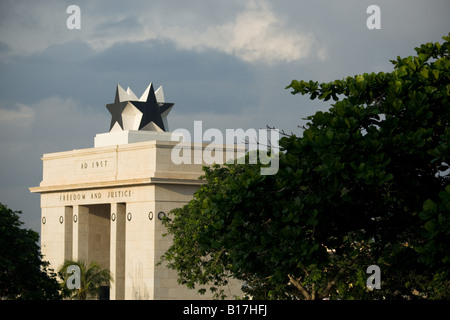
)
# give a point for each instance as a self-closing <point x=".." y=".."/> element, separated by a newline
<point x="23" y="273"/>
<point x="366" y="184"/>
<point x="92" y="278"/>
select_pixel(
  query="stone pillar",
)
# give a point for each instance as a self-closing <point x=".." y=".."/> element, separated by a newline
<point x="80" y="233"/>
<point x="54" y="235"/>
<point x="68" y="232"/>
<point x="117" y="250"/>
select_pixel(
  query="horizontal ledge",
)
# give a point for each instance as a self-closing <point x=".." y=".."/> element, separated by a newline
<point x="152" y="144"/>
<point x="115" y="184"/>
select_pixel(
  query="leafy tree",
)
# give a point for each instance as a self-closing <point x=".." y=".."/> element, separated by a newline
<point x="366" y="184"/>
<point x="92" y="278"/>
<point x="23" y="273"/>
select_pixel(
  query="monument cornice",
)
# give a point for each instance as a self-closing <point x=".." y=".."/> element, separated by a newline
<point x="115" y="184"/>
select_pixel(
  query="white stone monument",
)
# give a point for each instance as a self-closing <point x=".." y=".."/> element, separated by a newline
<point x="106" y="203"/>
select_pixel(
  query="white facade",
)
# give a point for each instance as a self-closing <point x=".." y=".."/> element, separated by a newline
<point x="105" y="203"/>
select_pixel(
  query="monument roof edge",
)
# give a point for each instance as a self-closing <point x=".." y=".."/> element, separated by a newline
<point x="114" y="184"/>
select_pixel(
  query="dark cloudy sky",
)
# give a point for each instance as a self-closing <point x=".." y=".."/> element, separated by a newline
<point x="224" y="62"/>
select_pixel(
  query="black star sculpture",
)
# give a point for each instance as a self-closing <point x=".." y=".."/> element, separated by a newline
<point x="147" y="112"/>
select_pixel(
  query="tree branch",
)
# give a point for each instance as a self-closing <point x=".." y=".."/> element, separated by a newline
<point x="314" y="295"/>
<point x="326" y="291"/>
<point x="299" y="286"/>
